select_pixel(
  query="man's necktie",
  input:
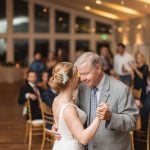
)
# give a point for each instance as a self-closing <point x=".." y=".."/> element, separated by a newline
<point x="36" y="91"/>
<point x="92" y="112"/>
<point x="93" y="103"/>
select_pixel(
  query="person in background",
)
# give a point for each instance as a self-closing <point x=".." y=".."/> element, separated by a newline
<point x="48" y="95"/>
<point x="122" y="61"/>
<point x="44" y="81"/>
<point x="31" y="91"/>
<point x="61" y="55"/>
<point x="51" y="62"/>
<point x="140" y="72"/>
<point x="107" y="58"/>
<point x="79" y="52"/>
<point x="146" y="106"/>
<point x="38" y="65"/>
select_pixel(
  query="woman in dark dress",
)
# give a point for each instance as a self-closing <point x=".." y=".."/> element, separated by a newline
<point x="140" y="70"/>
<point x="140" y="73"/>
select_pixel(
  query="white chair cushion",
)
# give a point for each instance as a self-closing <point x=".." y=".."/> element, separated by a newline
<point x="37" y="122"/>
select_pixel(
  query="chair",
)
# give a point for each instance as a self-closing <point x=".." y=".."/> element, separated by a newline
<point x="48" y="122"/>
<point x="148" y="134"/>
<point x="136" y="94"/>
<point x="132" y="140"/>
<point x="33" y="127"/>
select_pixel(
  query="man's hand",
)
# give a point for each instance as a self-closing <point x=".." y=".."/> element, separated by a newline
<point x="55" y="132"/>
<point x="103" y="112"/>
<point x="32" y="96"/>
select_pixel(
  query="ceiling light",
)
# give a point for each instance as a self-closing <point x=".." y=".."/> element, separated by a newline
<point x="139" y="26"/>
<point x="98" y="2"/>
<point x="122" y="8"/>
<point x="87" y="8"/>
<point x="122" y="2"/>
<point x="106" y="14"/>
<point x="144" y="1"/>
<point x="44" y="10"/>
<point x="146" y="6"/>
<point x="120" y="29"/>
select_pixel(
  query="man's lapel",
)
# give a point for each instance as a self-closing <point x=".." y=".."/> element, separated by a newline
<point x="88" y="103"/>
<point x="105" y="92"/>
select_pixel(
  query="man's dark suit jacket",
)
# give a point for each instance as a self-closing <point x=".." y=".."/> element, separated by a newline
<point x="48" y="97"/>
<point x="35" y="108"/>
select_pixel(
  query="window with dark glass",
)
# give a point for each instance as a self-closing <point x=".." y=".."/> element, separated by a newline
<point x="62" y="20"/>
<point x="103" y="28"/>
<point x="82" y="25"/>
<point x="21" y="16"/>
<point x="42" y="46"/>
<point x="41" y="23"/>
<point x="82" y="45"/>
<point x="3" y="21"/>
<point x="21" y="52"/>
<point x="2" y="51"/>
<point x="62" y="50"/>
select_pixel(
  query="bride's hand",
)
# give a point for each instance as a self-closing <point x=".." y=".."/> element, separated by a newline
<point x="103" y="112"/>
<point x="55" y="132"/>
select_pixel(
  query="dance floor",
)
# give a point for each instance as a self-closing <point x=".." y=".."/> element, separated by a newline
<point x="12" y="124"/>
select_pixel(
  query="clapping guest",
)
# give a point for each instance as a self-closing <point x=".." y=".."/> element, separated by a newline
<point x="122" y="66"/>
<point x="146" y="105"/>
<point x="140" y="72"/>
<point x="32" y="92"/>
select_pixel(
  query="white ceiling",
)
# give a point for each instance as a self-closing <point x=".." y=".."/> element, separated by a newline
<point x="112" y="9"/>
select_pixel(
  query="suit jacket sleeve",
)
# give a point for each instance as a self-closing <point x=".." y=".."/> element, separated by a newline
<point x="22" y="99"/>
<point x="125" y="118"/>
<point x="48" y="97"/>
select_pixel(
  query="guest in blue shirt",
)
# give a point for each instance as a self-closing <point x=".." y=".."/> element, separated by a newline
<point x="38" y="65"/>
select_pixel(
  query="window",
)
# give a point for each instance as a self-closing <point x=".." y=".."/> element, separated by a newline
<point x="103" y="28"/>
<point x="3" y="22"/>
<point x="41" y="14"/>
<point x="62" y="20"/>
<point x="21" y="52"/>
<point x="62" y="50"/>
<point x="42" y="46"/>
<point x="2" y="50"/>
<point x="82" y="25"/>
<point x="83" y="45"/>
<point x="21" y="18"/>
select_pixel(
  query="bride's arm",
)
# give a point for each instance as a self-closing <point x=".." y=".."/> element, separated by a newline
<point x="75" y="126"/>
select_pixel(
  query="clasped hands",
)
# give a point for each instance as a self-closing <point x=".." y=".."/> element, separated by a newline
<point x="103" y="112"/>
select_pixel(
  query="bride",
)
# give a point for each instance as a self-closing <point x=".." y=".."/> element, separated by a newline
<point x="69" y="118"/>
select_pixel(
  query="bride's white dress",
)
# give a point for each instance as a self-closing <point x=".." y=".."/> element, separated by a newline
<point x="68" y="142"/>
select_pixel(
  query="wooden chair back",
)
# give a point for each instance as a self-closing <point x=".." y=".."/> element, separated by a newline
<point x="47" y="115"/>
<point x="48" y="122"/>
<point x="148" y="134"/>
<point x="137" y="93"/>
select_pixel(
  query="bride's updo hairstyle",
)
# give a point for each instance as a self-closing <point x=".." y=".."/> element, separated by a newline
<point x="61" y="76"/>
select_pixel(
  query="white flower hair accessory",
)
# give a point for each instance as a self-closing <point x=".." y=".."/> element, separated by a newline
<point x="65" y="77"/>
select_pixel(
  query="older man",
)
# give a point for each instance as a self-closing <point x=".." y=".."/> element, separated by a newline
<point x="119" y="115"/>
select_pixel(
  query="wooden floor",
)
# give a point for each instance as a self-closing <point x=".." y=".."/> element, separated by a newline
<point x="12" y="124"/>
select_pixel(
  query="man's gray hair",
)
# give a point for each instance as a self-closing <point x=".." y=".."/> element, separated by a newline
<point x="89" y="57"/>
